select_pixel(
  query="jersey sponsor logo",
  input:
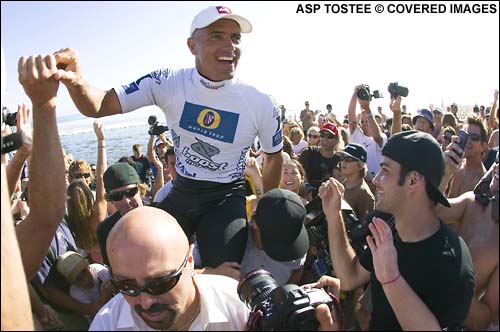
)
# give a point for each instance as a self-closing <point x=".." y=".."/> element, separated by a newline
<point x="223" y="10"/>
<point x="216" y="124"/>
<point x="211" y="86"/>
<point x="196" y="161"/>
<point x="204" y="149"/>
<point x="278" y="138"/>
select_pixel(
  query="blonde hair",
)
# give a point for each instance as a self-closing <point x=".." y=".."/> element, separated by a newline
<point x="79" y="205"/>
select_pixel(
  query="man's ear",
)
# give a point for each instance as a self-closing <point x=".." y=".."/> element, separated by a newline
<point x="416" y="179"/>
<point x="192" y="45"/>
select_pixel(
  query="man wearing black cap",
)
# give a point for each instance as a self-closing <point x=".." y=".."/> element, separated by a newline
<point x="353" y="169"/>
<point x="423" y="277"/>
<point x="120" y="182"/>
<point x="424" y="121"/>
<point x="214" y="119"/>
<point x="278" y="241"/>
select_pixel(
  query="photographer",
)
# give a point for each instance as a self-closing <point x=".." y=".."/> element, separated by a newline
<point x="364" y="130"/>
<point x="400" y="267"/>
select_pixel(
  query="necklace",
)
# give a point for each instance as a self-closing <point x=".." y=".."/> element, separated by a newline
<point x="186" y="326"/>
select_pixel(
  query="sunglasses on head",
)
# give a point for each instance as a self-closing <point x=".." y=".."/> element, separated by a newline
<point x="325" y="135"/>
<point x="156" y="287"/>
<point x="348" y="159"/>
<point x="82" y="175"/>
<point x="312" y="136"/>
<point x="118" y="195"/>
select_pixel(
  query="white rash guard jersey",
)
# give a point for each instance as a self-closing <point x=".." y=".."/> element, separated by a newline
<point x="213" y="124"/>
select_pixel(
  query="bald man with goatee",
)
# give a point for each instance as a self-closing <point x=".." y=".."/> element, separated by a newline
<point x="152" y="266"/>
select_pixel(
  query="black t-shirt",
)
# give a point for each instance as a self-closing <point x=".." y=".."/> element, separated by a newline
<point x="439" y="270"/>
<point x="143" y="168"/>
<point x="103" y="231"/>
<point x="317" y="167"/>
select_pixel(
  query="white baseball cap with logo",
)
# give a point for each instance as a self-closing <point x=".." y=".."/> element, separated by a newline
<point x="214" y="13"/>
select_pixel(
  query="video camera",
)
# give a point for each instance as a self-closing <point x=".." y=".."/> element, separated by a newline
<point x="154" y="127"/>
<point x="13" y="141"/>
<point x="281" y="308"/>
<point x="317" y="229"/>
<point x="10" y="119"/>
<point x="397" y="90"/>
<point x="363" y="93"/>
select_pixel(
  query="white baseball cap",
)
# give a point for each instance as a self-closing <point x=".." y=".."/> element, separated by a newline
<point x="214" y="13"/>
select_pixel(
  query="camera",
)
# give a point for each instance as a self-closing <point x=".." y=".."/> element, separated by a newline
<point x="154" y="127"/>
<point x="397" y="90"/>
<point x="464" y="137"/>
<point x="363" y="93"/>
<point x="280" y="308"/>
<point x="10" y="119"/>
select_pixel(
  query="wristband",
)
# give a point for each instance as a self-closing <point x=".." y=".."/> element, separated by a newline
<point x="101" y="146"/>
<point x="390" y="281"/>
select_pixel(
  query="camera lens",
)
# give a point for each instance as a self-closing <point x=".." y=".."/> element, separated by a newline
<point x="152" y="120"/>
<point x="255" y="287"/>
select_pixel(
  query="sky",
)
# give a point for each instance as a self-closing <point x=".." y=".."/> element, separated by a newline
<point x="319" y="57"/>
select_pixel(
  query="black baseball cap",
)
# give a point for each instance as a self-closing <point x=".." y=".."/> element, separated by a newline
<point x="419" y="151"/>
<point x="280" y="216"/>
<point x="355" y="151"/>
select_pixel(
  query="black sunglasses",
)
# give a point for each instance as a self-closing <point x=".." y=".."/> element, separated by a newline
<point x="475" y="137"/>
<point x="156" y="287"/>
<point x="312" y="136"/>
<point x="118" y="195"/>
<point x="329" y="136"/>
<point x="82" y="175"/>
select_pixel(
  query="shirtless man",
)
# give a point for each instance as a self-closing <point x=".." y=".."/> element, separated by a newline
<point x="472" y="170"/>
<point x="478" y="225"/>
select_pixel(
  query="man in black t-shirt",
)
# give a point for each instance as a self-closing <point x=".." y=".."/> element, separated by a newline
<point x="423" y="276"/>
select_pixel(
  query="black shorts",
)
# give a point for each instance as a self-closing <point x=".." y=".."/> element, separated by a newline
<point x="215" y="213"/>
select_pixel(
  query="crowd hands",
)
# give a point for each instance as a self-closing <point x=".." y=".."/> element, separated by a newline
<point x="102" y="236"/>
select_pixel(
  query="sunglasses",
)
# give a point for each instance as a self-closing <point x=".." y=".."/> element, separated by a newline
<point x="118" y="195"/>
<point x="156" y="287"/>
<point x="347" y="159"/>
<point x="475" y="137"/>
<point x="447" y="138"/>
<point x="82" y="175"/>
<point x="312" y="136"/>
<point x="329" y="136"/>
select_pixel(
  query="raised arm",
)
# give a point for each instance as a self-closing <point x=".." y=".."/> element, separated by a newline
<point x="372" y="123"/>
<point x="47" y="206"/>
<point x="493" y="121"/>
<point x="15" y="166"/>
<point x="344" y="259"/>
<point x="351" y="112"/>
<point x="89" y="100"/>
<point x="100" y="205"/>
<point x="395" y="106"/>
<point x="410" y="310"/>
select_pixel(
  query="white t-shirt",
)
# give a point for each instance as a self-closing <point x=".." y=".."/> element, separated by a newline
<point x="100" y="274"/>
<point x="373" y="150"/>
<point x="301" y="146"/>
<point x="255" y="258"/>
<point x="213" y="124"/>
<point x="220" y="310"/>
<point x="163" y="192"/>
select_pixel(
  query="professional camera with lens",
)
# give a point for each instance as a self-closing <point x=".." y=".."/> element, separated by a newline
<point x="363" y="93"/>
<point x="10" y="119"/>
<point x="154" y="127"/>
<point x="397" y="90"/>
<point x="281" y="308"/>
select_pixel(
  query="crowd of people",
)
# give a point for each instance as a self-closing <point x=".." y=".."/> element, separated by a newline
<point x="166" y="240"/>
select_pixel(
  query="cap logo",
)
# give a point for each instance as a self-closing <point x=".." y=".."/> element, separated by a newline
<point x="223" y="10"/>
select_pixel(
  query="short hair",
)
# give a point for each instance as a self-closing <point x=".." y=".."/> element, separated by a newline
<point x="136" y="147"/>
<point x="475" y="119"/>
<point x="296" y="131"/>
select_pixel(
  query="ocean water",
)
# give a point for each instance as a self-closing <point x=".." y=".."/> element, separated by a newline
<point x="120" y="131"/>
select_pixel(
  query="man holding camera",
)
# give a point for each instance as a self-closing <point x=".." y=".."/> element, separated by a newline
<point x="365" y="131"/>
<point x="422" y="277"/>
<point x="213" y="118"/>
